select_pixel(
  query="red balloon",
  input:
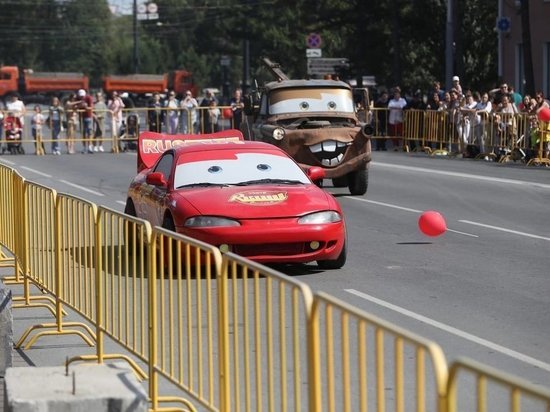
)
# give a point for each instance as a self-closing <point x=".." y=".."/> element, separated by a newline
<point x="544" y="114"/>
<point x="227" y="113"/>
<point x="432" y="223"/>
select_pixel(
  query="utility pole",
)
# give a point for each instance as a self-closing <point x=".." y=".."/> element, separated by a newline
<point x="136" y="56"/>
<point x="449" y="46"/>
<point x="500" y="57"/>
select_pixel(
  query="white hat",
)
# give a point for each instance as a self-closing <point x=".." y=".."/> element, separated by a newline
<point x="456" y="79"/>
<point x="82" y="92"/>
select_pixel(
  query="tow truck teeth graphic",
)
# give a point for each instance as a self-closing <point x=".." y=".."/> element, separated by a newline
<point x="329" y="152"/>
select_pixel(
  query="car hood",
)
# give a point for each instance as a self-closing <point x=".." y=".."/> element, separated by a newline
<point x="251" y="202"/>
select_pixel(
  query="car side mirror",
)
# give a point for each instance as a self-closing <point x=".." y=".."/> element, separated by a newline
<point x="156" y="179"/>
<point x="315" y="173"/>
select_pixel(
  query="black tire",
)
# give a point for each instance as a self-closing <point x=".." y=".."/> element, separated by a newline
<point x="129" y="209"/>
<point x="358" y="182"/>
<point x="341" y="181"/>
<point x="334" y="264"/>
<point x="168" y="223"/>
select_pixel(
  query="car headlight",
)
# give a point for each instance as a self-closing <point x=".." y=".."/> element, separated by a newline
<point x="210" y="221"/>
<point x="320" y="217"/>
<point x="279" y="133"/>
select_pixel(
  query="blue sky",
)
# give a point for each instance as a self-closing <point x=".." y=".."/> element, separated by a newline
<point x="124" y="6"/>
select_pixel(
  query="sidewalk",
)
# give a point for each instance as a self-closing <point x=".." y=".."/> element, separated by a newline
<point x="47" y="350"/>
<point x="19" y="360"/>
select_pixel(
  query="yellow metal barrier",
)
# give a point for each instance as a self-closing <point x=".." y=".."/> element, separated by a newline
<point x="231" y="334"/>
<point x="118" y="286"/>
<point x="543" y="149"/>
<point x="184" y="312"/>
<point x="346" y="341"/>
<point x="265" y="338"/>
<point x="508" y="393"/>
<point x="58" y="255"/>
<point x="7" y="216"/>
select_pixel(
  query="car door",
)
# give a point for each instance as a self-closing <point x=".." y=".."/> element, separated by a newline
<point x="154" y="196"/>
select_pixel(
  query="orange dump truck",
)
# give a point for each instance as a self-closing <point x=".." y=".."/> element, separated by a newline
<point x="141" y="84"/>
<point x="38" y="86"/>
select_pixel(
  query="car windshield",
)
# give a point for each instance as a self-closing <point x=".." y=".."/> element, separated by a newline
<point x="231" y="168"/>
<point x="308" y="100"/>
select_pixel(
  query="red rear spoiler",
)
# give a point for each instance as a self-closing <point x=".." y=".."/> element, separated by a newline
<point x="151" y="144"/>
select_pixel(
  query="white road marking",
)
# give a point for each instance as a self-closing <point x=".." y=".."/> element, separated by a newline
<point x="82" y="188"/>
<point x="515" y="232"/>
<point x="454" y="331"/>
<point x="38" y="172"/>
<point x="461" y="233"/>
<point x="406" y="209"/>
<point x="121" y="202"/>
<point x="465" y="175"/>
<point x="8" y="162"/>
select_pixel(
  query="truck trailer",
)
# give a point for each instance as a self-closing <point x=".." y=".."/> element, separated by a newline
<point x="39" y="86"/>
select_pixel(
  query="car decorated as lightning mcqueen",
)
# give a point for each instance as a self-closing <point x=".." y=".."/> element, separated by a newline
<point x="247" y="197"/>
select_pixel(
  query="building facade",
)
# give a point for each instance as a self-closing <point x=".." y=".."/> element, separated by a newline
<point x="511" y="44"/>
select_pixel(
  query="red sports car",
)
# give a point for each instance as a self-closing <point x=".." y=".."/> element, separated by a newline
<point x="250" y="198"/>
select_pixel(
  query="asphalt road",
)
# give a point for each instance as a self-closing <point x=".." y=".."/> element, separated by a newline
<point x="481" y="290"/>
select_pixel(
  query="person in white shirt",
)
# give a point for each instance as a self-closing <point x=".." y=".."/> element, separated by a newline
<point x="17" y="106"/>
<point x="483" y="109"/>
<point x="189" y="121"/>
<point x="395" y="118"/>
<point x="172" y="114"/>
<point x="37" y="121"/>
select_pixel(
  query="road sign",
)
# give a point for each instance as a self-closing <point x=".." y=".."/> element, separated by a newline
<point x="313" y="53"/>
<point x="322" y="66"/>
<point x="504" y="24"/>
<point x="147" y="12"/>
<point x="314" y="40"/>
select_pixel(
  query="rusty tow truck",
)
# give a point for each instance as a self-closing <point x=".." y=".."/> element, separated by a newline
<point x="317" y="122"/>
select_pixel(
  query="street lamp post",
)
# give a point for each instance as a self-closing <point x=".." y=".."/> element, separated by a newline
<point x="449" y="46"/>
<point x="136" y="56"/>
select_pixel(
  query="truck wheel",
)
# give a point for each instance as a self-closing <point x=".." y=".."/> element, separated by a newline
<point x="341" y="181"/>
<point x="358" y="182"/>
<point x="334" y="264"/>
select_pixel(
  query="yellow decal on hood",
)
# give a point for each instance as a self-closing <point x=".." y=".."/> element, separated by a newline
<point x="258" y="198"/>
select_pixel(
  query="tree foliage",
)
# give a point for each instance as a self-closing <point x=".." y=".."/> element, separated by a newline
<point x="398" y="41"/>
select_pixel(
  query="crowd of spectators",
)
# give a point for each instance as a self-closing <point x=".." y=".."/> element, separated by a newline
<point x="83" y="117"/>
<point x="467" y="111"/>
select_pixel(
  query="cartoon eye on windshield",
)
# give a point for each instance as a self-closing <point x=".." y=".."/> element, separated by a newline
<point x="331" y="105"/>
<point x="304" y="106"/>
<point x="214" y="169"/>
<point x="263" y="167"/>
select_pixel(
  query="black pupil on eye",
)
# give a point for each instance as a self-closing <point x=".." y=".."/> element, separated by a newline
<point x="263" y="167"/>
<point x="214" y="169"/>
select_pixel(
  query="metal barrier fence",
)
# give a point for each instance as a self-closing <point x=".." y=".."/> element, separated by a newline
<point x="351" y="351"/>
<point x="512" y="393"/>
<point x="184" y="309"/>
<point x="7" y="214"/>
<point x="226" y="333"/>
<point x="498" y="136"/>
<point x="266" y="338"/>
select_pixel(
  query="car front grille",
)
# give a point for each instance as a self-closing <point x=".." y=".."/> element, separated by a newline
<point x="271" y="249"/>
